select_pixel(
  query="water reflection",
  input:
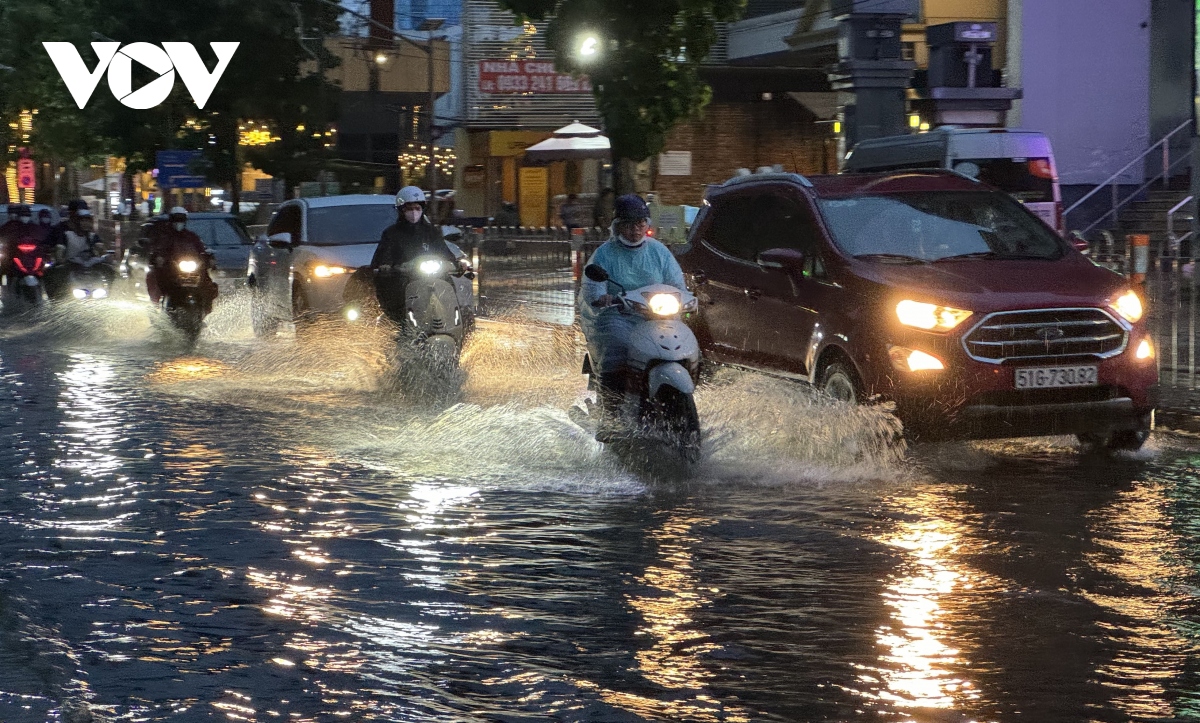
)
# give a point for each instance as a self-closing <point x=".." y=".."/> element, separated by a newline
<point x="1142" y="559"/>
<point x="920" y="665"/>
<point x="677" y="645"/>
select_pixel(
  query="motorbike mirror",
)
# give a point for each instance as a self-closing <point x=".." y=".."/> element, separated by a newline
<point x="281" y="240"/>
<point x="789" y="260"/>
<point x="595" y="273"/>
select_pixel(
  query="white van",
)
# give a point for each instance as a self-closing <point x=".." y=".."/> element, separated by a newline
<point x="1019" y="162"/>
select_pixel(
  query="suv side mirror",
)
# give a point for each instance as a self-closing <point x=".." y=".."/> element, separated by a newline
<point x="281" y="240"/>
<point x="789" y="260"/>
<point x="1077" y="240"/>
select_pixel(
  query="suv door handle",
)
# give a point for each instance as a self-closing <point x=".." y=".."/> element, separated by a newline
<point x="753" y="293"/>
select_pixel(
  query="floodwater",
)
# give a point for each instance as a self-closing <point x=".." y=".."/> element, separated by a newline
<point x="275" y="531"/>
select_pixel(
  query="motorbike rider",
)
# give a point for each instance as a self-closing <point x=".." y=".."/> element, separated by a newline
<point x="411" y="236"/>
<point x="168" y="245"/>
<point x="19" y="229"/>
<point x="81" y="246"/>
<point x="632" y="260"/>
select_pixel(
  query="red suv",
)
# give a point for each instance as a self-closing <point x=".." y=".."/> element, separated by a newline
<point x="928" y="289"/>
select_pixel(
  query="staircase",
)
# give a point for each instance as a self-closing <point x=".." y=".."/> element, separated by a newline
<point x="1149" y="216"/>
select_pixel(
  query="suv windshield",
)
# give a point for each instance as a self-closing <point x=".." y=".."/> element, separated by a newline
<point x="928" y="226"/>
<point x="346" y="225"/>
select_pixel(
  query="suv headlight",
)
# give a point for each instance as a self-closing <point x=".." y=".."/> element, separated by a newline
<point x="1129" y="306"/>
<point x="664" y="304"/>
<point x="929" y="316"/>
<point x="324" y="272"/>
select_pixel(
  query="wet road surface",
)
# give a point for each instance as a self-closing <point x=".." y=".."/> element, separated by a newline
<point x="262" y="531"/>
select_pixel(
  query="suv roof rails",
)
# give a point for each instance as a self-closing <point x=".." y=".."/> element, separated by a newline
<point x="772" y="176"/>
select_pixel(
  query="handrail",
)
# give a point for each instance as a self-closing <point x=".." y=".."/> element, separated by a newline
<point x="1176" y="241"/>
<point x="1111" y="180"/>
<point x="1136" y="192"/>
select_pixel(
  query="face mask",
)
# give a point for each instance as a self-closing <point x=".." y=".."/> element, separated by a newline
<point x="641" y="237"/>
<point x="44" y="221"/>
<point x="178" y="226"/>
<point x="412" y="216"/>
<point x="26" y="219"/>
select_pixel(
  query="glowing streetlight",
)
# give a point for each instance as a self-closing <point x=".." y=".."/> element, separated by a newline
<point x="589" y="47"/>
<point x="380" y="58"/>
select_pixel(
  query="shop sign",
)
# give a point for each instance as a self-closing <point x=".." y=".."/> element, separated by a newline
<point x="527" y="76"/>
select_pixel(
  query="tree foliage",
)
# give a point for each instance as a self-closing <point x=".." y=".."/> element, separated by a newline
<point x="272" y="78"/>
<point x="646" y="77"/>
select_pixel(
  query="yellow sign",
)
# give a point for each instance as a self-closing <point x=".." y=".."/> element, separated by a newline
<point x="535" y="195"/>
<point x="513" y="143"/>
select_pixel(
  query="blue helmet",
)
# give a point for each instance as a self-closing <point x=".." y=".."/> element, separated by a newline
<point x="630" y="207"/>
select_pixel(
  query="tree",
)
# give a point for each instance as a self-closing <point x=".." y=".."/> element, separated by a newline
<point x="646" y="73"/>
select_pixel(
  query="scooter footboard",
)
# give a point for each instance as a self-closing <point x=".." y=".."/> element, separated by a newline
<point x="671" y="373"/>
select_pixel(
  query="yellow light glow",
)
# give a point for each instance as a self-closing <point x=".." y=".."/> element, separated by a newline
<point x="929" y="316"/>
<point x="914" y="121"/>
<point x="352" y="314"/>
<point x="924" y="127"/>
<point x="1129" y="306"/>
<point x="664" y="304"/>
<point x="913" y="360"/>
<point x="1144" y="350"/>
<point x="381" y="59"/>
<point x="325" y="272"/>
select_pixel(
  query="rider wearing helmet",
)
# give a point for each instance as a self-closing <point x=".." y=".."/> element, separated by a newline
<point x="412" y="235"/>
<point x="632" y="260"/>
<point x="169" y="243"/>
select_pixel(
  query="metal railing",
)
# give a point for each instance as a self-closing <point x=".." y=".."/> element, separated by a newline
<point x="1175" y="242"/>
<point x="1118" y="203"/>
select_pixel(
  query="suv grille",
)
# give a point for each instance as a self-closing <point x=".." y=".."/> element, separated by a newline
<point x="1045" y="333"/>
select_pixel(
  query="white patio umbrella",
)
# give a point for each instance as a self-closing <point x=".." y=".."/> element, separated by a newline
<point x="570" y="143"/>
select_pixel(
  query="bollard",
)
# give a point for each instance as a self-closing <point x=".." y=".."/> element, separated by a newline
<point x="577" y="235"/>
<point x="1139" y="246"/>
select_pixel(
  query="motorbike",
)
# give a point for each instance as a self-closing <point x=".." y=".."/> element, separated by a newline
<point x="91" y="280"/>
<point x="27" y="273"/>
<point x="438" y="311"/>
<point x="183" y="294"/>
<point x="661" y="369"/>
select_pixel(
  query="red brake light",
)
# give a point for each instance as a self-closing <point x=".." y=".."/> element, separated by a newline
<point x="26" y="248"/>
<point x="1040" y="167"/>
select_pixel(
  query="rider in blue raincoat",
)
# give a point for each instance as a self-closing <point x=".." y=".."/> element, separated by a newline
<point x="632" y="260"/>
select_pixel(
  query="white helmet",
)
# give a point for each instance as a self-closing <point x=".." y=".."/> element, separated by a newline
<point x="410" y="194"/>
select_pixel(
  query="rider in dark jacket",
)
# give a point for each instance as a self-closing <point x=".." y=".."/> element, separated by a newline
<point x="411" y="236"/>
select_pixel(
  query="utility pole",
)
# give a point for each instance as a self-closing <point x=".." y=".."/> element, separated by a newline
<point x="429" y="25"/>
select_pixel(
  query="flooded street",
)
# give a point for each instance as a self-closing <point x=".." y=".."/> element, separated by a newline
<point x="261" y="531"/>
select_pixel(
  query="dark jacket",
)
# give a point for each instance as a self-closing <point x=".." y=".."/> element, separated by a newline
<point x="403" y="241"/>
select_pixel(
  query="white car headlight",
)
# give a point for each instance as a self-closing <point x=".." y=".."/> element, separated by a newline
<point x="324" y="272"/>
<point x="929" y="316"/>
<point x="99" y="294"/>
<point x="664" y="304"/>
<point x="79" y="293"/>
<point x="430" y="267"/>
<point x="188" y="266"/>
<point x="1129" y="306"/>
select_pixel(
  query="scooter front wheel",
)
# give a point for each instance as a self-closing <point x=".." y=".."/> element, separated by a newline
<point x="675" y="419"/>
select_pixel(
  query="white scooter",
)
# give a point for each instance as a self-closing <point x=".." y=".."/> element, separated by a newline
<point x="661" y="369"/>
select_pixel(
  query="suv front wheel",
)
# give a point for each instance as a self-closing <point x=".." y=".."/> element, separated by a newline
<point x="839" y="381"/>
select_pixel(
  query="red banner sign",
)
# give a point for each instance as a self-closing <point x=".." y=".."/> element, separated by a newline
<point x="527" y="76"/>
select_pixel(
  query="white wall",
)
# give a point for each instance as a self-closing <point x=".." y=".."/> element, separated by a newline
<point x="1085" y="70"/>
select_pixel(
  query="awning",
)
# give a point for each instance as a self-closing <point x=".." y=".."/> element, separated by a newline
<point x="573" y="142"/>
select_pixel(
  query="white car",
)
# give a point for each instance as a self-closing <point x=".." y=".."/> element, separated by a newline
<point x="298" y="271"/>
<point x="313" y="245"/>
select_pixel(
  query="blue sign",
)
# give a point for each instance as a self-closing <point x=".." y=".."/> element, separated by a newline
<point x="175" y="169"/>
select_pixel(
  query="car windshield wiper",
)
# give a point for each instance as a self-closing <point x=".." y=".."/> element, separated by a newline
<point x="993" y="255"/>
<point x="892" y="258"/>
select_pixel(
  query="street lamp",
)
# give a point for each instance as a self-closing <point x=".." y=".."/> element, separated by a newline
<point x="587" y="47"/>
<point x="429" y="25"/>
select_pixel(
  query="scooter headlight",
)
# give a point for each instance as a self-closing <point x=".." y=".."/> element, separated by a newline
<point x="664" y="304"/>
<point x="430" y="267"/>
<point x="79" y="293"/>
<point x="188" y="266"/>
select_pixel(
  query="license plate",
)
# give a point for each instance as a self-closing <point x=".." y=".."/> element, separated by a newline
<point x="1047" y="377"/>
